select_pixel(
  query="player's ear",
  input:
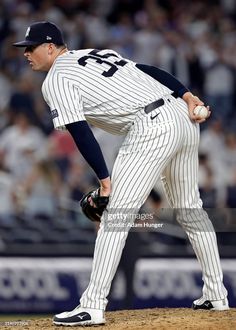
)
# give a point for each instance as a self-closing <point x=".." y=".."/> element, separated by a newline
<point x="51" y="48"/>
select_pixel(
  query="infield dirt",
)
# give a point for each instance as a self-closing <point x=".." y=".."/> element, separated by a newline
<point x="146" y="319"/>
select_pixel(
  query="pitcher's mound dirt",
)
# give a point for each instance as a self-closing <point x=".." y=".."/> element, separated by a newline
<point x="148" y="319"/>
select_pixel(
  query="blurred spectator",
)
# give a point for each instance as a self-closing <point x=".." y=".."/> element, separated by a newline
<point x="196" y="73"/>
<point x="217" y="94"/>
<point x="212" y="144"/>
<point x="26" y="97"/>
<point x="7" y="186"/>
<point x="22" y="13"/>
<point x="61" y="148"/>
<point x="4" y="23"/>
<point x="207" y="189"/>
<point x="47" y="11"/>
<point x="229" y="155"/>
<point x="229" y="6"/>
<point x="75" y="31"/>
<point x="42" y="189"/>
<point x="230" y="168"/>
<point x="23" y="100"/>
<point x="146" y="42"/>
<point x="12" y="64"/>
<point x="21" y="143"/>
<point x="172" y="56"/>
<point x="96" y="30"/>
<point x="121" y="35"/>
<point x="5" y="87"/>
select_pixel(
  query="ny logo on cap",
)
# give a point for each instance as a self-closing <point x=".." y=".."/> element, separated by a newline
<point x="27" y="32"/>
<point x="49" y="38"/>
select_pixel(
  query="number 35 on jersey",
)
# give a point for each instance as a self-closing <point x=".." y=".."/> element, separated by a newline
<point x="109" y="58"/>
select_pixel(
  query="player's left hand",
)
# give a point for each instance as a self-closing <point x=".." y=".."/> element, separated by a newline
<point x="93" y="205"/>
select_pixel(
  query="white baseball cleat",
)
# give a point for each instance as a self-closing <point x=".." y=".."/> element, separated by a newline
<point x="214" y="305"/>
<point x="80" y="317"/>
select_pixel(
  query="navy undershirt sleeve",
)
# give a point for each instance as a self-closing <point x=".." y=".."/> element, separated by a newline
<point x="89" y="147"/>
<point x="164" y="78"/>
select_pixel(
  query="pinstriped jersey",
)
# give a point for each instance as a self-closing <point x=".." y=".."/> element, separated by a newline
<point x="98" y="86"/>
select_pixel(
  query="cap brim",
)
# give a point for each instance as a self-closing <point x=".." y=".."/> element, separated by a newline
<point x="25" y="43"/>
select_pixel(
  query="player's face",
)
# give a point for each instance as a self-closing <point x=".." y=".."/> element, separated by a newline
<point x="38" y="57"/>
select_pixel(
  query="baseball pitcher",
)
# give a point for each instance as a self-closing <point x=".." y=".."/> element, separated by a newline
<point x="156" y="114"/>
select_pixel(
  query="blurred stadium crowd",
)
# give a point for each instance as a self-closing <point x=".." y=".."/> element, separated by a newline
<point x="42" y="175"/>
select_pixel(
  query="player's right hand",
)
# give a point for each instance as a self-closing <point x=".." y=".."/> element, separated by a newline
<point x="193" y="101"/>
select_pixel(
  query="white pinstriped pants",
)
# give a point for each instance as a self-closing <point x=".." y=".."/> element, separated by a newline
<point x="166" y="146"/>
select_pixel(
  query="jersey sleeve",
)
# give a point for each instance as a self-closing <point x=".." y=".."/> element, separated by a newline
<point x="164" y="78"/>
<point x="64" y="99"/>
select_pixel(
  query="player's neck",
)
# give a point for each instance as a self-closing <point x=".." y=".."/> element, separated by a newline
<point x="58" y="53"/>
<point x="61" y="51"/>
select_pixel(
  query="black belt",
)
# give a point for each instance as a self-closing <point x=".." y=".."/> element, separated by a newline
<point x="156" y="104"/>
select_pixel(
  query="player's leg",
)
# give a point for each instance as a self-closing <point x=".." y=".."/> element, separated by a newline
<point x="180" y="180"/>
<point x="130" y="188"/>
<point x="135" y="172"/>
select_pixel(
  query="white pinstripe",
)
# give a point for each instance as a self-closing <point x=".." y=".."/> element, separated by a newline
<point x="167" y="145"/>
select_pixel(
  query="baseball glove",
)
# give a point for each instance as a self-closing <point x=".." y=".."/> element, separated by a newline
<point x="95" y="212"/>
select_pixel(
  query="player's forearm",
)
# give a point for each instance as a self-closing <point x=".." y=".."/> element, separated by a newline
<point x="89" y="148"/>
<point x="164" y="78"/>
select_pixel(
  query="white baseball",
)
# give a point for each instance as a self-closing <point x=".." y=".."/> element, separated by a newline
<point x="201" y="111"/>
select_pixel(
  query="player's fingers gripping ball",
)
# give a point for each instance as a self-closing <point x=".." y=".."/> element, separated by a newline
<point x="201" y="112"/>
<point x="93" y="205"/>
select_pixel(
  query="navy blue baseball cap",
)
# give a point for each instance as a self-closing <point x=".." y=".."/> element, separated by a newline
<point x="41" y="32"/>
